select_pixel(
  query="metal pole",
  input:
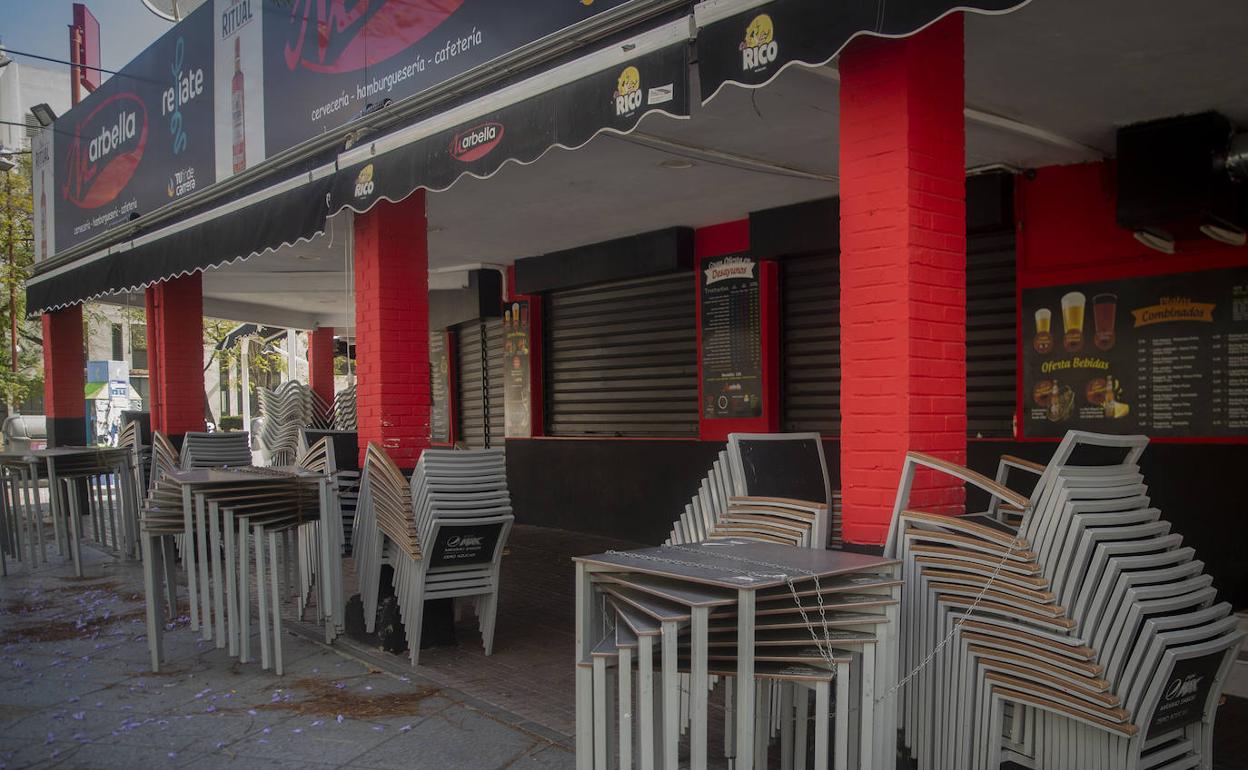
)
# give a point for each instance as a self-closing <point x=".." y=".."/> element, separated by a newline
<point x="75" y="42"/>
<point x="8" y="208"/>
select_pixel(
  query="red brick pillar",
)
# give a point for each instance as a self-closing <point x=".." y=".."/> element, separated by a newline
<point x="392" y="328"/>
<point x="321" y="363"/>
<point x="175" y="350"/>
<point x="903" y="270"/>
<point x="64" y="377"/>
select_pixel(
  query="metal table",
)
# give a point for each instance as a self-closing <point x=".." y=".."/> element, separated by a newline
<point x="717" y="574"/>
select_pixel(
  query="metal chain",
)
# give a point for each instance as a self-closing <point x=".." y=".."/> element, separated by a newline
<point x="485" y="384"/>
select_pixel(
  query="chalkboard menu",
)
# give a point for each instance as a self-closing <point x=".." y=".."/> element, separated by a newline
<point x="1163" y="355"/>
<point x="439" y="389"/>
<point x="732" y="360"/>
<point x="517" y="419"/>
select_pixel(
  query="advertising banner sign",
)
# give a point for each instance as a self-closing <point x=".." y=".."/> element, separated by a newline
<point x="325" y="62"/>
<point x="1164" y="355"/>
<point x="238" y="94"/>
<point x="141" y="141"/>
<point x="568" y="116"/>
<point x="752" y="46"/>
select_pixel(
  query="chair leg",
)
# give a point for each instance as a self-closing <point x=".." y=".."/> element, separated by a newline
<point x="277" y="605"/>
<point x="487" y="611"/>
<point x="168" y="561"/>
<point x="73" y="530"/>
<point x="266" y="655"/>
<point x="155" y="613"/>
<point x="244" y="592"/>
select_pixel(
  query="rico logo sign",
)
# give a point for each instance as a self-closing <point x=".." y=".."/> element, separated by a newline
<point x="759" y="49"/>
<point x="105" y="151"/>
<point x="338" y="36"/>
<point x="476" y="142"/>
<point x="364" y="185"/>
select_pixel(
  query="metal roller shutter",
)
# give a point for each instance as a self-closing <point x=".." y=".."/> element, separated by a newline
<point x="810" y="312"/>
<point x="622" y="359"/>
<point x="991" y="346"/>
<point x="472" y="402"/>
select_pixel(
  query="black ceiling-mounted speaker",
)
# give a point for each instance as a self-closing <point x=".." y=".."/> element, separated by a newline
<point x="1173" y="179"/>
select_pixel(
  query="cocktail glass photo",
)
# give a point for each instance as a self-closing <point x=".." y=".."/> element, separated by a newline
<point x="1073" y="305"/>
<point x="1104" y="308"/>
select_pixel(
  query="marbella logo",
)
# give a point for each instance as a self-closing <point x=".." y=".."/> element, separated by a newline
<point x="364" y="182"/>
<point x="105" y="151"/>
<point x="476" y="142"/>
<point x="340" y="36"/>
<point x="759" y="48"/>
<point x="628" y="94"/>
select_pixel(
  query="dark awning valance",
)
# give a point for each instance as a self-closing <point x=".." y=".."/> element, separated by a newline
<point x="609" y="90"/>
<point x="266" y="218"/>
<point x="749" y="42"/>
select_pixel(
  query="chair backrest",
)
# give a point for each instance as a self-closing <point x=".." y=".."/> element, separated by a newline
<point x="1187" y="685"/>
<point x="215" y="450"/>
<point x="789" y="465"/>
<point x="470" y="542"/>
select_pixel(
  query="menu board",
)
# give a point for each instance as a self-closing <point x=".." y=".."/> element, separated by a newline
<point x="731" y="354"/>
<point x="1163" y="355"/>
<point x="517" y="415"/>
<point x="439" y="389"/>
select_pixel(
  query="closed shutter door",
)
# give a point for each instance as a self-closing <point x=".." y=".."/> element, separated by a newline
<point x="472" y="402"/>
<point x="810" y="313"/>
<point x="991" y="346"/>
<point x="622" y="359"/>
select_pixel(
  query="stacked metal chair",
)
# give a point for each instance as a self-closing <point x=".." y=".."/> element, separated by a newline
<point x="215" y="450"/>
<point x="807" y="662"/>
<point x="343" y="410"/>
<point x="1086" y="636"/>
<point x="286" y="411"/>
<point x="443" y="534"/>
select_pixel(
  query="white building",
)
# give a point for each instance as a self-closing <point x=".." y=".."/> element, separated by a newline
<point x="22" y="86"/>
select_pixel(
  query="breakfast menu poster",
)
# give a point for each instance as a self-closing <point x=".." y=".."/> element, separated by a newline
<point x="1162" y="355"/>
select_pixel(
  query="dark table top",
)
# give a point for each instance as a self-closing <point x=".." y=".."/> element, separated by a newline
<point x="738" y="563"/>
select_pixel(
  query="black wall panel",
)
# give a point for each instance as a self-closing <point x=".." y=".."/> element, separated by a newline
<point x="810" y="349"/>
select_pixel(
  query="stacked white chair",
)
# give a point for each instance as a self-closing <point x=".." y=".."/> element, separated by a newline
<point x="340" y="461"/>
<point x="215" y="450"/>
<point x="286" y="411"/>
<point x="1085" y="637"/>
<point x="343" y="411"/>
<point x="443" y="534"/>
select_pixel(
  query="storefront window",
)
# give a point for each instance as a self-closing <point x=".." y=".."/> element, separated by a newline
<point x="138" y="347"/>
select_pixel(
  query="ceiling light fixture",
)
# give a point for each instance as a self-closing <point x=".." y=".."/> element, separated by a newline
<point x="677" y="163"/>
<point x="1156" y="239"/>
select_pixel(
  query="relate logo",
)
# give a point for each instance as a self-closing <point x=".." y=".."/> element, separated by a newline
<point x="187" y="85"/>
<point x="337" y="36"/>
<point x="628" y="94"/>
<point x="105" y="151"/>
<point x="364" y="182"/>
<point x="476" y="142"/>
<point x="759" y="50"/>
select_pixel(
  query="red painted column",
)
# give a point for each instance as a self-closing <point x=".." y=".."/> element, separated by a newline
<point x="64" y="377"/>
<point x="392" y="329"/>
<point x="175" y="345"/>
<point x="321" y="363"/>
<point x="903" y="270"/>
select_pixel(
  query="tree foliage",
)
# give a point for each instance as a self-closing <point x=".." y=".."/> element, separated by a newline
<point x="17" y="257"/>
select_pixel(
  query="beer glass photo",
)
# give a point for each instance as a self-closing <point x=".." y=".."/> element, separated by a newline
<point x="1104" y="308"/>
<point x="1073" y="305"/>
<point x="1043" y="341"/>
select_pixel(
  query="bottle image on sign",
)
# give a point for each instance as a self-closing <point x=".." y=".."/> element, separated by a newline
<point x="238" y="111"/>
<point x="1073" y="305"/>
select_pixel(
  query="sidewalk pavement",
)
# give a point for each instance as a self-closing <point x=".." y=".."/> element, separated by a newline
<point x="76" y="692"/>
